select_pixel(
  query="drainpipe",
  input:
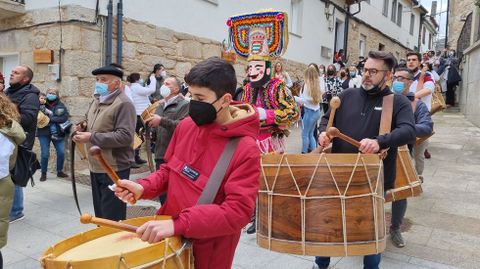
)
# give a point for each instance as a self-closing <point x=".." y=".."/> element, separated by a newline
<point x="422" y="17"/>
<point x="119" y="31"/>
<point x="345" y="37"/>
<point x="446" y="25"/>
<point x="108" y="52"/>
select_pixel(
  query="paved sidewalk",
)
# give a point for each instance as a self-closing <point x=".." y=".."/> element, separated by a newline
<point x="445" y="232"/>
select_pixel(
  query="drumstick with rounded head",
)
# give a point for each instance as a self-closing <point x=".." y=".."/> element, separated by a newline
<point x="96" y="153"/>
<point x="87" y="219"/>
<point x="334" y="104"/>
<point x="334" y="132"/>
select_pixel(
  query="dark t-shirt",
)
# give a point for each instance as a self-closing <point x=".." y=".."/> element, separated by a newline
<point x="359" y="117"/>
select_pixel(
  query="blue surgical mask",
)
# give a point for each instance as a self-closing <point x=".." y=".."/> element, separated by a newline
<point x="101" y="89"/>
<point x="51" y="97"/>
<point x="398" y="86"/>
<point x="141" y="82"/>
<point x="352" y="74"/>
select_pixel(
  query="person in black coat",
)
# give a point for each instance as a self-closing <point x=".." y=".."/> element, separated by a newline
<point x="25" y="96"/>
<point x="58" y="114"/>
<point x="359" y="117"/>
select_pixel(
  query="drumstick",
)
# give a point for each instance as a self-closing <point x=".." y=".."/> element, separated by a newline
<point x="87" y="219"/>
<point x="96" y="153"/>
<point x="334" y="132"/>
<point x="334" y="104"/>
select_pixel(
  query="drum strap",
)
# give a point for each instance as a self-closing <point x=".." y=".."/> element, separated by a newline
<point x="72" y="172"/>
<point x="211" y="189"/>
<point x="386" y="119"/>
<point x="387" y="113"/>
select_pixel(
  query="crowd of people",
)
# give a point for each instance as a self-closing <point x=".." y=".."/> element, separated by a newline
<point x="194" y="119"/>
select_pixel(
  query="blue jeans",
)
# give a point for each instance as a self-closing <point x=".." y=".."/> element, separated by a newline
<point x="369" y="261"/>
<point x="309" y="123"/>
<point x="17" y="207"/>
<point x="45" y="152"/>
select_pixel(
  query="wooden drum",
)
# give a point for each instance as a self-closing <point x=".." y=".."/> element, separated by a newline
<point x="407" y="183"/>
<point x="322" y="205"/>
<point x="110" y="248"/>
<point x="149" y="111"/>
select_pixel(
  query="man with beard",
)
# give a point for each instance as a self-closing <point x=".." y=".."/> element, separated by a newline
<point x="276" y="106"/>
<point x="359" y="117"/>
<point x="25" y="95"/>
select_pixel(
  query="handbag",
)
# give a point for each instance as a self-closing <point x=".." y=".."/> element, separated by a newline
<point x="65" y="127"/>
<point x="25" y="167"/>
<point x="438" y="102"/>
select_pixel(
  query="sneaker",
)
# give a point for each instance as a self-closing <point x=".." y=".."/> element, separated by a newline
<point x="139" y="160"/>
<point x="134" y="165"/>
<point x="43" y="177"/>
<point x="427" y="154"/>
<point x="17" y="218"/>
<point x="252" y="229"/>
<point x="61" y="174"/>
<point x="397" y="238"/>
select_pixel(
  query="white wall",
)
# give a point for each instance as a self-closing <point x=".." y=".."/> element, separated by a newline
<point x="204" y="19"/>
<point x="373" y="14"/>
<point x="8" y="63"/>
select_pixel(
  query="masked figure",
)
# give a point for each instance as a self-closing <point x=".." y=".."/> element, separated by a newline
<point x="262" y="37"/>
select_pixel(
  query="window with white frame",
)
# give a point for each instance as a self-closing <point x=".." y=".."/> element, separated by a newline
<point x="394" y="10"/>
<point x="362" y="45"/>
<point x="296" y="15"/>
<point x="412" y="23"/>
<point x="399" y="14"/>
<point x="385" y="7"/>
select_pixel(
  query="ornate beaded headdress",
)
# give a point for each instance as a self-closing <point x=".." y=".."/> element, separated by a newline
<point x="259" y="36"/>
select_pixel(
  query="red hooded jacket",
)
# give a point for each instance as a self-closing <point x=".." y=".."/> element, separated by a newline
<point x="215" y="228"/>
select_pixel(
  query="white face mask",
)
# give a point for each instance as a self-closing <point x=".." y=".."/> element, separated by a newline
<point x="165" y="91"/>
<point x="163" y="73"/>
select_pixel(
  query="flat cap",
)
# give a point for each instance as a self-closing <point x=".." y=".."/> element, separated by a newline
<point x="108" y="70"/>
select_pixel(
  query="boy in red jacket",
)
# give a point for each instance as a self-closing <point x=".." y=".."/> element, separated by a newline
<point x="195" y="148"/>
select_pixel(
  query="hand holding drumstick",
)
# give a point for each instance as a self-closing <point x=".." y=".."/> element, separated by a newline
<point x="366" y="145"/>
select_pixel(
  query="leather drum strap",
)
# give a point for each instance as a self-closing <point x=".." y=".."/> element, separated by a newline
<point x="72" y="172"/>
<point x="216" y="178"/>
<point x="387" y="113"/>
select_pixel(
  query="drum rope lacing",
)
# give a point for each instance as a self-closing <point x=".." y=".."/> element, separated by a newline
<point x="343" y="197"/>
<point x="411" y="185"/>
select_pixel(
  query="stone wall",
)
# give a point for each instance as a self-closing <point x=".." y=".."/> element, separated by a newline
<point x="144" y="45"/>
<point x="373" y="39"/>
<point x="459" y="10"/>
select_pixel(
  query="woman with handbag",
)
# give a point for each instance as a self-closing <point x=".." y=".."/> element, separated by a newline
<point x="11" y="135"/>
<point x="54" y="132"/>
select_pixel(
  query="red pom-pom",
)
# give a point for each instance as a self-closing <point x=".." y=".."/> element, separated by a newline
<point x="229" y="23"/>
<point x="280" y="17"/>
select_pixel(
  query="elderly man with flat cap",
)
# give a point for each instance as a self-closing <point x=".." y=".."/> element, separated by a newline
<point x="110" y="125"/>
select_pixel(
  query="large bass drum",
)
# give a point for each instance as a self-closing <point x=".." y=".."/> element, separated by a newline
<point x="322" y="205"/>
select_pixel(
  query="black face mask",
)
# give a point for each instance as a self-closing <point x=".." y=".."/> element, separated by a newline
<point x="330" y="72"/>
<point x="202" y="112"/>
<point x="342" y="74"/>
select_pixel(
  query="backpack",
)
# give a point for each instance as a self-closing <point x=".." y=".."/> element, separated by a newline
<point x="25" y="167"/>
